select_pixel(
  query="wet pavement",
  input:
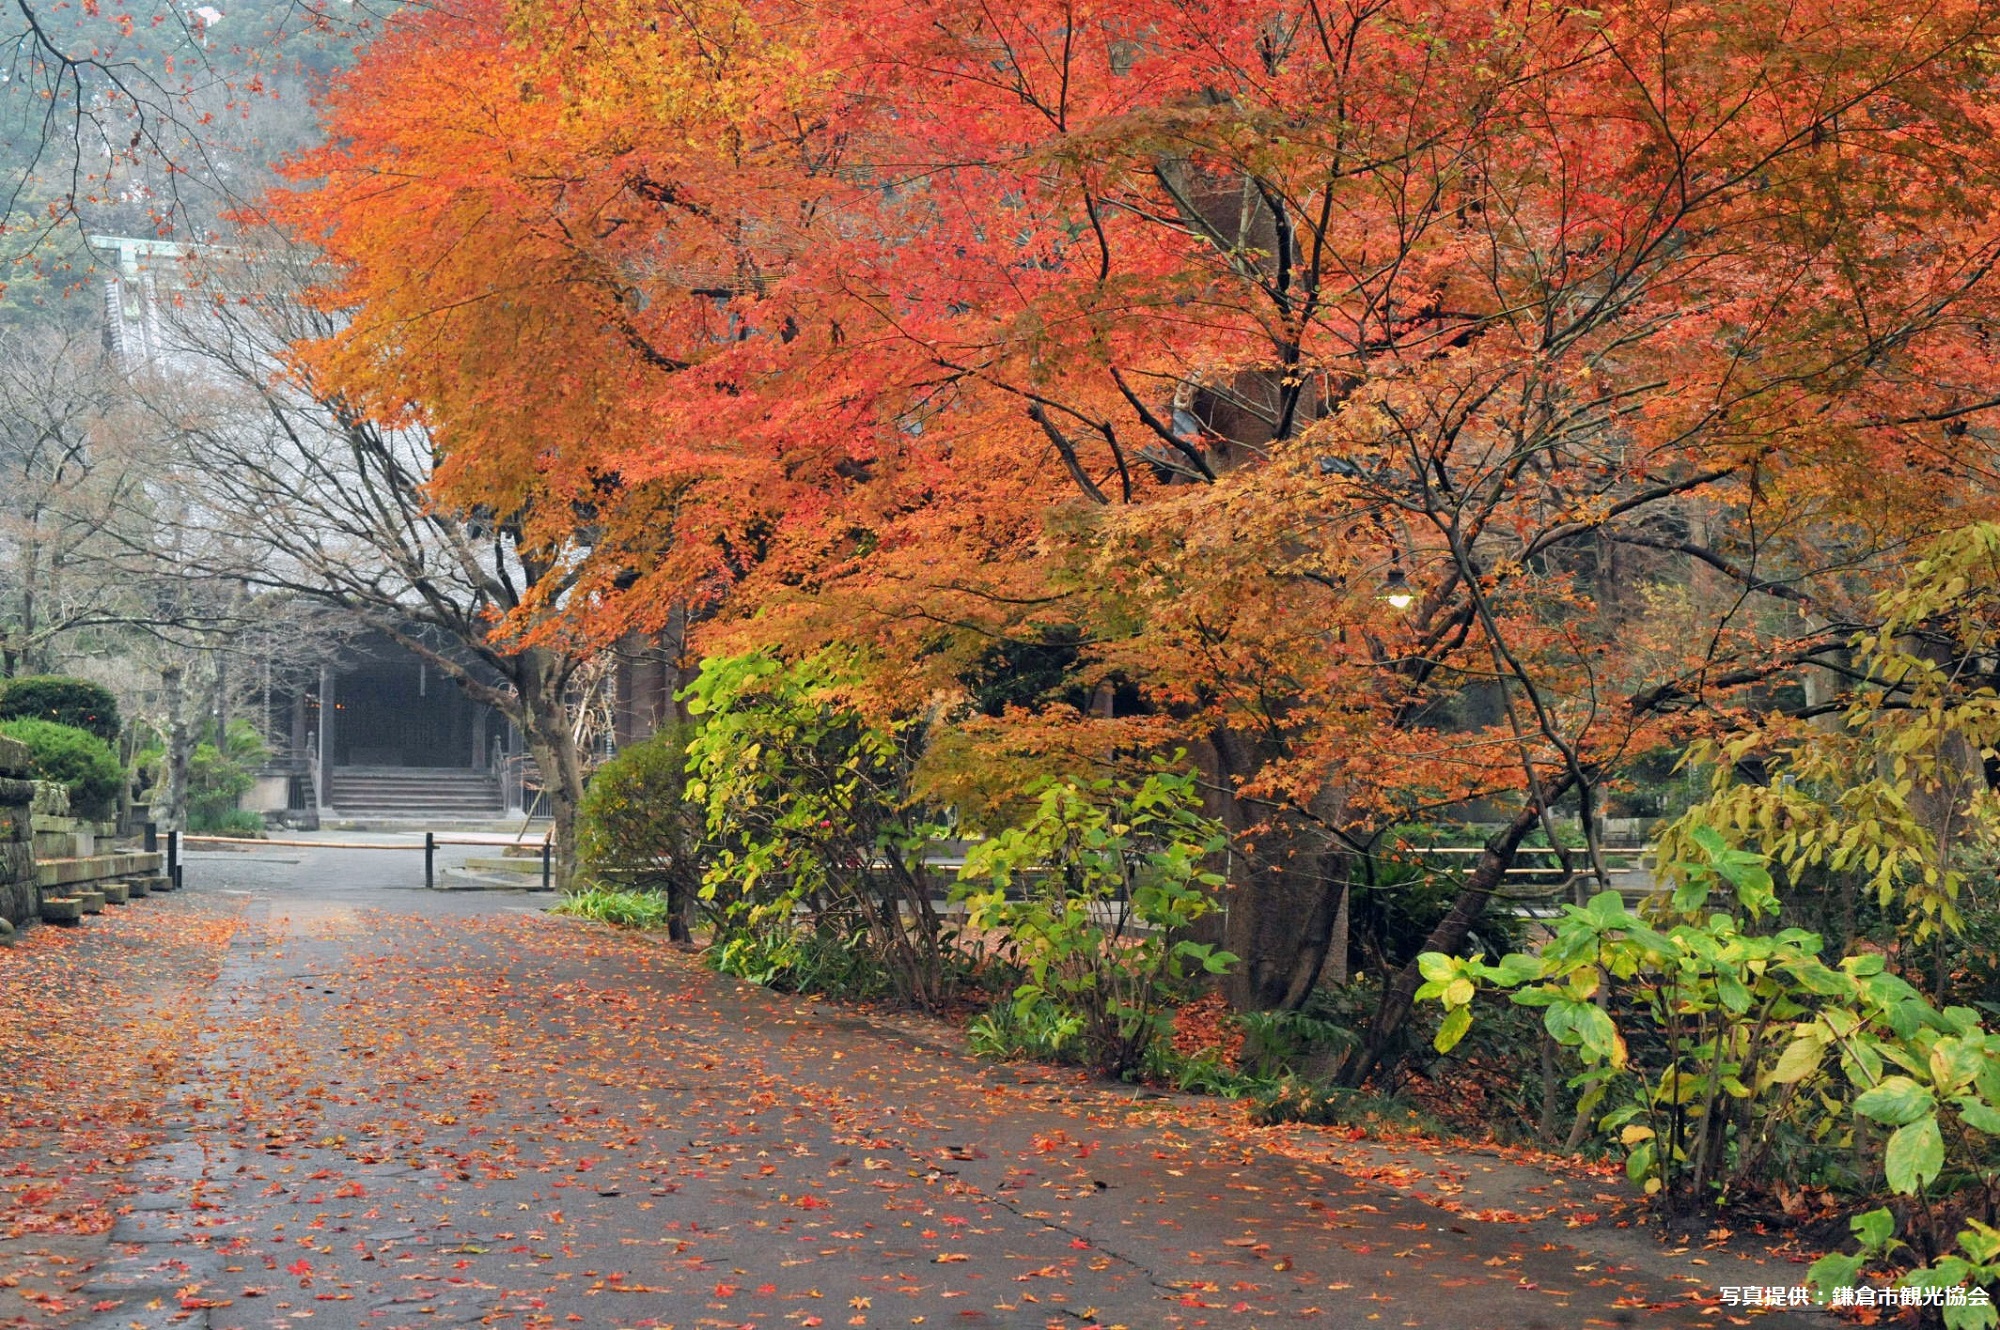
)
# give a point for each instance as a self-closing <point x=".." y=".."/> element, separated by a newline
<point x="411" y="1109"/>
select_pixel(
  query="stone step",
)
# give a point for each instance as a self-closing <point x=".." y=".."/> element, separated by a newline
<point x="479" y="794"/>
<point x="55" y="873"/>
<point x="443" y="779"/>
<point x="353" y="793"/>
<point x="416" y="817"/>
<point x="115" y="893"/>
<point x="518" y="867"/>
<point x="62" y="910"/>
<point x="469" y="782"/>
<point x="418" y="814"/>
<point x="350" y="796"/>
<point x="364" y="769"/>
<point x="92" y="899"/>
<point x="464" y="781"/>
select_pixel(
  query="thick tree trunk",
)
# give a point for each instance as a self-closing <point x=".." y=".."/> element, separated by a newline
<point x="562" y="782"/>
<point x="545" y="722"/>
<point x="1283" y="902"/>
<point x="174" y="782"/>
<point x="1448" y="936"/>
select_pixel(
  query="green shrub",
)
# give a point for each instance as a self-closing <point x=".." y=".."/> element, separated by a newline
<point x="1965" y="1269"/>
<point x="826" y="960"/>
<point x="813" y="826"/>
<point x="217" y="779"/>
<point x="80" y="760"/>
<point x="1278" y="1048"/>
<point x="1204" y="1073"/>
<point x="1090" y="899"/>
<point x="636" y="829"/>
<point x="613" y="905"/>
<point x="77" y="703"/>
<point x="1755" y="1057"/>
<point x="1285" y="1043"/>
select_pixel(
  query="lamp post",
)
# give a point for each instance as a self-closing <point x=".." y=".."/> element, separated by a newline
<point x="1396" y="589"/>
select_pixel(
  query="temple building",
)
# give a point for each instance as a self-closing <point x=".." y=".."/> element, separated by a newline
<point x="371" y="730"/>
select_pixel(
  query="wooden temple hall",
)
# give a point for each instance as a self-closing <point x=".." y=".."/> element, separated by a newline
<point x="381" y="734"/>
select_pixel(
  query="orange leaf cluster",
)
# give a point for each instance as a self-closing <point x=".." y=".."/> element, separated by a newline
<point x="1634" y="344"/>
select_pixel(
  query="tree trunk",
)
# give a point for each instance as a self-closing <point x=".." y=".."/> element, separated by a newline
<point x="1285" y="891"/>
<point x="1448" y="936"/>
<point x="174" y="780"/>
<point x="221" y="703"/>
<point x="545" y="722"/>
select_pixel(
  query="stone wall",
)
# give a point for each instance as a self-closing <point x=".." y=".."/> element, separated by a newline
<point x="20" y="901"/>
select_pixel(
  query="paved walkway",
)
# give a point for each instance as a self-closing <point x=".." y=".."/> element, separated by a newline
<point x="410" y="1109"/>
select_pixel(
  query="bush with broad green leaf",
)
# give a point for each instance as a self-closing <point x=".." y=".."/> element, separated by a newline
<point x="1090" y="897"/>
<point x="813" y="832"/>
<point x="1762" y="1058"/>
<point x="1724" y="1053"/>
<point x="1964" y="1274"/>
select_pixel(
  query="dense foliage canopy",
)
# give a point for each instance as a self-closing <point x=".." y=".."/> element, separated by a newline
<point x="1131" y="351"/>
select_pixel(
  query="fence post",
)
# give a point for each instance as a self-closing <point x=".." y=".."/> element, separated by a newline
<point x="152" y="838"/>
<point x="546" y="840"/>
<point x="174" y="858"/>
<point x="430" y="858"/>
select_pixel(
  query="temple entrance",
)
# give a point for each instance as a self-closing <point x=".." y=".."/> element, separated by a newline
<point x="399" y="740"/>
<point x="390" y="712"/>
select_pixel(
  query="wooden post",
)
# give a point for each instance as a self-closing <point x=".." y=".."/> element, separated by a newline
<point x="430" y="858"/>
<point x="547" y="841"/>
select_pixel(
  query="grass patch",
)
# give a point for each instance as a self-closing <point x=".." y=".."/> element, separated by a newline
<point x="616" y="905"/>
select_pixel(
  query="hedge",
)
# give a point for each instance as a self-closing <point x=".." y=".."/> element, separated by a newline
<point x="77" y="758"/>
<point x="75" y="702"/>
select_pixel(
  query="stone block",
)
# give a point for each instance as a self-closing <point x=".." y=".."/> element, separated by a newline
<point x="20" y="903"/>
<point x="136" y="887"/>
<point x="62" y="910"/>
<point x="93" y="900"/>
<point x="64" y="844"/>
<point x="17" y="796"/>
<point x="52" y="798"/>
<point x="13" y="757"/>
<point x="18" y="897"/>
<point x="115" y="893"/>
<point x="52" y="873"/>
